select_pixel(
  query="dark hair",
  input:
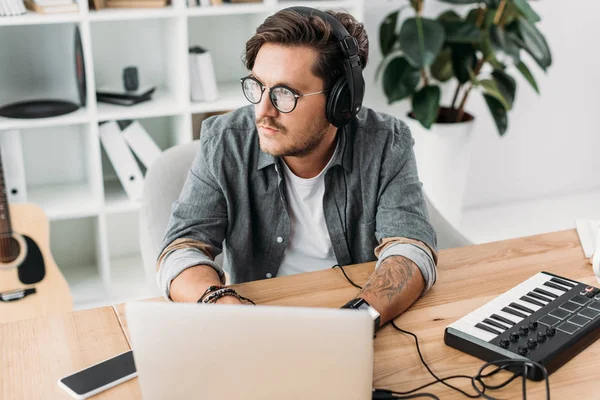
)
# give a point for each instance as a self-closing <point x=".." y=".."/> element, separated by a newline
<point x="289" y="28"/>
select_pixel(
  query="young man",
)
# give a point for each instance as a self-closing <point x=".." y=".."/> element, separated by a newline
<point x="287" y="191"/>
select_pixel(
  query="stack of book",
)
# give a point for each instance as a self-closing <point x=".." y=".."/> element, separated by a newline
<point x="11" y="7"/>
<point x="204" y="3"/>
<point x="51" y="6"/>
<point x="135" y="3"/>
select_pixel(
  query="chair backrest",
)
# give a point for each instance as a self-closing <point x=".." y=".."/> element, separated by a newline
<point x="162" y="185"/>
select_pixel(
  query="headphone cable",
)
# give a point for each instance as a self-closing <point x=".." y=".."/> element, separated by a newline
<point x="386" y="394"/>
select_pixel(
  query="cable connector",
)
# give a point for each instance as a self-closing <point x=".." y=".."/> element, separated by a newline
<point x="382" y="394"/>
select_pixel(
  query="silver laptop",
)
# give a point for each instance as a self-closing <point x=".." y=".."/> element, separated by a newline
<point x="227" y="352"/>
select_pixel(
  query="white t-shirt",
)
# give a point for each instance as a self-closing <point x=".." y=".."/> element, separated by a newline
<point x="309" y="246"/>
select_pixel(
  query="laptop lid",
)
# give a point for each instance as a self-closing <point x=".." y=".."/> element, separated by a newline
<point x="226" y="352"/>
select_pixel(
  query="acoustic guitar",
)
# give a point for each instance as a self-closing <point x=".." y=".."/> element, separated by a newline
<point x="31" y="284"/>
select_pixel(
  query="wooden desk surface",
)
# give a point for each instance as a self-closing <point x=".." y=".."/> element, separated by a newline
<point x="35" y="353"/>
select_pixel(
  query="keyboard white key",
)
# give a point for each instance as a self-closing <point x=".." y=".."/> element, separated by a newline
<point x="510" y="301"/>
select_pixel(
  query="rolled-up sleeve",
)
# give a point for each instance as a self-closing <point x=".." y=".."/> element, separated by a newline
<point x="402" y="211"/>
<point x="198" y="221"/>
<point x="401" y="208"/>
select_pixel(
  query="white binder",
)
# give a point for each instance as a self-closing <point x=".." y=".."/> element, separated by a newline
<point x="13" y="166"/>
<point x="140" y="142"/>
<point x="122" y="159"/>
<point x="203" y="83"/>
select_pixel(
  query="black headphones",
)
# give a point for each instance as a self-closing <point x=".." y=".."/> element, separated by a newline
<point x="344" y="99"/>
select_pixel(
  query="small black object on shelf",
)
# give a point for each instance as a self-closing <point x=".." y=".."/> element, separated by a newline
<point x="130" y="79"/>
<point x="37" y="109"/>
<point x="125" y="98"/>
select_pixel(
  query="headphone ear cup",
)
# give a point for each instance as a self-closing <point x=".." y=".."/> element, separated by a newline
<point x="338" y="111"/>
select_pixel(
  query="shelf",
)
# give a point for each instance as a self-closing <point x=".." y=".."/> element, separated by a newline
<point x="33" y="18"/>
<point x="525" y="218"/>
<point x="124" y="14"/>
<point x="162" y="104"/>
<point x="116" y="199"/>
<point x="229" y="9"/>
<point x="64" y="201"/>
<point x="79" y="116"/>
<point x="322" y="4"/>
<point x="230" y="97"/>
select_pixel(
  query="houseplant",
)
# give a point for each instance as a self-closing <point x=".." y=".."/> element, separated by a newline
<point x="473" y="46"/>
<point x="480" y="49"/>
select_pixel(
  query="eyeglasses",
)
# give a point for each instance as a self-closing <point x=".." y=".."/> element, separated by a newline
<point x="282" y="97"/>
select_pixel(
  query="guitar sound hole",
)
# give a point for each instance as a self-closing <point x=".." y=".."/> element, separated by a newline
<point x="9" y="250"/>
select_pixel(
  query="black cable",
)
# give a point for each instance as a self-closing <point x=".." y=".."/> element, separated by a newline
<point x="386" y="394"/>
<point x="349" y="280"/>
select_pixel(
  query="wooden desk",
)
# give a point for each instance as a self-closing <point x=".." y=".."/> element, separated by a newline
<point x="35" y="353"/>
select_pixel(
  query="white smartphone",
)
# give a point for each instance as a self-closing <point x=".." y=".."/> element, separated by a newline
<point x="100" y="377"/>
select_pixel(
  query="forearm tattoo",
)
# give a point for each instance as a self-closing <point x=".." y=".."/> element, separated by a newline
<point x="390" y="278"/>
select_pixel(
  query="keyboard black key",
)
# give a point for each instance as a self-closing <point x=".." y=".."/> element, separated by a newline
<point x="563" y="282"/>
<point x="555" y="286"/>
<point x="532" y="301"/>
<point x="545" y="293"/>
<point x="495" y="323"/>
<point x="521" y="308"/>
<point x="539" y="297"/>
<point x="514" y="312"/>
<point x="487" y="328"/>
<point x="502" y="319"/>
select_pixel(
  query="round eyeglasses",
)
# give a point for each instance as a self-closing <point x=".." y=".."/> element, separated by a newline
<point x="282" y="97"/>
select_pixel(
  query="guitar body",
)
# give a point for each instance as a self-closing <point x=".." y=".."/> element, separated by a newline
<point x="33" y="268"/>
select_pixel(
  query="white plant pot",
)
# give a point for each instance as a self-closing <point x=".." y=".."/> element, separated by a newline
<point x="443" y="156"/>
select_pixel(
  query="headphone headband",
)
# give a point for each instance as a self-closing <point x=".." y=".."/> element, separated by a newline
<point x="349" y="48"/>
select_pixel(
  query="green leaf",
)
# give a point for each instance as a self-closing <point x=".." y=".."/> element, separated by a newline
<point x="449" y="16"/>
<point x="461" y="1"/>
<point x="426" y="104"/>
<point x="507" y="86"/>
<point x="463" y="59"/>
<point x="399" y="79"/>
<point x="498" y="113"/>
<point x="421" y="40"/>
<point x="489" y="54"/>
<point x="462" y="32"/>
<point x="535" y="43"/>
<point x="441" y="69"/>
<point x="387" y="32"/>
<point x="498" y="38"/>
<point x="527" y="74"/>
<point x="512" y="47"/>
<point x="527" y="11"/>
<point x="491" y="89"/>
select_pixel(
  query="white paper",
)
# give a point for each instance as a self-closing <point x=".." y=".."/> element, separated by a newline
<point x="13" y="166"/>
<point x="141" y="143"/>
<point x="122" y="159"/>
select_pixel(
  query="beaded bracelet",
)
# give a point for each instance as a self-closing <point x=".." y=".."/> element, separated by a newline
<point x="208" y="290"/>
<point x="217" y="295"/>
<point x="213" y="298"/>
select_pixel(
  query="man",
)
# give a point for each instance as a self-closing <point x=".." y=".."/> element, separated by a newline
<point x="289" y="192"/>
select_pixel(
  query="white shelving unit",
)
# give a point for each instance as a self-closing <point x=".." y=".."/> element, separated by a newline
<point x="93" y="225"/>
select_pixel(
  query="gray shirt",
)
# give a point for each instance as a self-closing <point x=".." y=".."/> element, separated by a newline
<point x="235" y="195"/>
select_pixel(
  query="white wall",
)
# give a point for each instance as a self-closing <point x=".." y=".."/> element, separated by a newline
<point x="552" y="145"/>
